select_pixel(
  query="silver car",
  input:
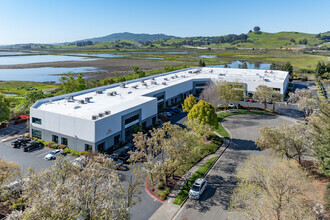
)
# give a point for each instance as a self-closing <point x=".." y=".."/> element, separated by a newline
<point x="198" y="188"/>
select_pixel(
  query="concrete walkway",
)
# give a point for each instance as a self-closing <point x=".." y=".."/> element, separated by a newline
<point x="168" y="210"/>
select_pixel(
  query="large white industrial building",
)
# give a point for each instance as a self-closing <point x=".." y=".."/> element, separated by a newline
<point x="99" y="118"/>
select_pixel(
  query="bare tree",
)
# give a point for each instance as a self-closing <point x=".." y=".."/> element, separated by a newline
<point x="210" y="94"/>
<point x="272" y="188"/>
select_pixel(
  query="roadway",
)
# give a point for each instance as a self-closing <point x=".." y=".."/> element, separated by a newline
<point x="214" y="202"/>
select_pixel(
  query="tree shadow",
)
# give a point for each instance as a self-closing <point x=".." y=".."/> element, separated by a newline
<point x="241" y="145"/>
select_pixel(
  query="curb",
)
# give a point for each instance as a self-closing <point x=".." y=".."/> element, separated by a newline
<point x="150" y="194"/>
<point x="210" y="168"/>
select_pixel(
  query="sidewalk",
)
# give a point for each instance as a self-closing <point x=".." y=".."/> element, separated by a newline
<point x="168" y="210"/>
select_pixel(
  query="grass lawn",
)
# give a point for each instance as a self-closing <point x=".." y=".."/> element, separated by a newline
<point x="222" y="131"/>
<point x="23" y="87"/>
<point x="198" y="174"/>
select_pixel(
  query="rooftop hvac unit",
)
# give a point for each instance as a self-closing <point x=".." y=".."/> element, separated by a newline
<point x="101" y="115"/>
<point x="113" y="93"/>
<point x="50" y="101"/>
<point x="81" y="101"/>
<point x="166" y="79"/>
<point x="129" y="92"/>
<point x="176" y="76"/>
<point x="153" y="82"/>
<point x="266" y="71"/>
<point x="164" y="83"/>
<point x="94" y="117"/>
<point x="190" y="71"/>
<point x="98" y="91"/>
<point x="183" y="76"/>
<point x="145" y="84"/>
<point x="122" y="85"/>
<point x="152" y="78"/>
<point x="87" y="99"/>
<point x="107" y="112"/>
<point x="141" y="81"/>
<point x="135" y="86"/>
<point x="271" y="71"/>
<point x="172" y="77"/>
<point x="76" y="107"/>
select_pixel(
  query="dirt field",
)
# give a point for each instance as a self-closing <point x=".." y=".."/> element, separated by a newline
<point x="108" y="67"/>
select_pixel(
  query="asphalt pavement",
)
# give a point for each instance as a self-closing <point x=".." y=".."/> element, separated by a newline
<point x="214" y="202"/>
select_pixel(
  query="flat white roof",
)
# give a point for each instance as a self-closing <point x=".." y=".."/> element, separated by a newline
<point x="134" y="92"/>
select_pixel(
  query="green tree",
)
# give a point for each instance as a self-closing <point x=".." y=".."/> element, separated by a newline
<point x="291" y="140"/>
<point x="108" y="81"/>
<point x="272" y="188"/>
<point x="228" y="93"/>
<point x="256" y="29"/>
<point x="204" y="113"/>
<point x="289" y="68"/>
<point x="137" y="70"/>
<point x="263" y="94"/>
<point x="320" y="128"/>
<point x="244" y="66"/>
<point x="189" y="103"/>
<point x="4" y="108"/>
<point x="202" y="63"/>
<point x="81" y="84"/>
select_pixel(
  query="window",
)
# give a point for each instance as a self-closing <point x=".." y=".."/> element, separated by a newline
<point x="36" y="133"/>
<point x="117" y="139"/>
<point x="100" y="147"/>
<point x="88" y="147"/>
<point x="36" y="120"/>
<point x="160" y="97"/>
<point x="131" y="119"/>
<point x="55" y="139"/>
<point x="154" y="120"/>
<point x="64" y="141"/>
<point x="200" y="84"/>
<point x="277" y="89"/>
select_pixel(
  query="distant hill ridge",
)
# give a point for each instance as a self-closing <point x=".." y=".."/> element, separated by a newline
<point x="129" y="36"/>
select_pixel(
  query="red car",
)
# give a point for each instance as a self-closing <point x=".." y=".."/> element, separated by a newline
<point x="251" y="100"/>
<point x="21" y="119"/>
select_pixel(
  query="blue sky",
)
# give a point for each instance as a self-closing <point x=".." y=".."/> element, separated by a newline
<point x="51" y="21"/>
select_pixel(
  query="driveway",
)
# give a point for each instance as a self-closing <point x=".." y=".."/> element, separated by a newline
<point x="214" y="202"/>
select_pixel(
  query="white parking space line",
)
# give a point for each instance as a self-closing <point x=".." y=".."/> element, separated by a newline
<point x="43" y="154"/>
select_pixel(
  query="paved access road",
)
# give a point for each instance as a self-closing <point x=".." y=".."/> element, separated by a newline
<point x="221" y="180"/>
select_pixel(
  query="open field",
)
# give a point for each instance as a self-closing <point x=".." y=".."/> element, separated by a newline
<point x="23" y="87"/>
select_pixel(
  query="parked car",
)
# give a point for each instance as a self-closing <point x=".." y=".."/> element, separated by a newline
<point x="231" y="111"/>
<point x="52" y="155"/>
<point x="197" y="188"/>
<point x="246" y="99"/>
<point x="251" y="100"/>
<point x="115" y="158"/>
<point x="20" y="142"/>
<point x="124" y="157"/>
<point x="168" y="114"/>
<point x="176" y="110"/>
<point x="270" y="102"/>
<point x="3" y="125"/>
<point x="32" y="145"/>
<point x="80" y="161"/>
<point x="21" y="119"/>
<point x="231" y="105"/>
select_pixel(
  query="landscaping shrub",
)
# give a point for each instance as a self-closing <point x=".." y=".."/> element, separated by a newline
<point x="198" y="174"/>
<point x="83" y="153"/>
<point x="62" y="146"/>
<point x="54" y="146"/>
<point x="162" y="195"/>
<point x="72" y="152"/>
<point x="50" y="143"/>
<point x="160" y="185"/>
